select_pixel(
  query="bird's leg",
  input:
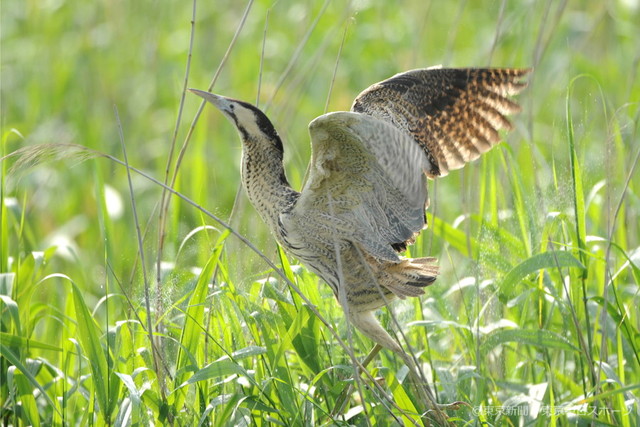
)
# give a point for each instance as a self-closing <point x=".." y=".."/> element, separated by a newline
<point x="367" y="323"/>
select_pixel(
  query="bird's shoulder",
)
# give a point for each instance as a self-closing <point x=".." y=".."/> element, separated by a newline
<point x="350" y="149"/>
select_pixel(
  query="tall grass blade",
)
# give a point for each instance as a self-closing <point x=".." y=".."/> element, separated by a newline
<point x="136" y="413"/>
<point x="576" y="181"/>
<point x="545" y="260"/>
<point x="194" y="329"/>
<point x="580" y="232"/>
<point x="106" y="383"/>
<point x="10" y="307"/>
<point x="226" y="365"/>
<point x="305" y="333"/>
<point x="17" y="363"/>
<point x="468" y="246"/>
<point x="10" y="340"/>
<point x="23" y="396"/>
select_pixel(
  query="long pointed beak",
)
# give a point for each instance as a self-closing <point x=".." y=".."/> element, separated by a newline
<point x="220" y="102"/>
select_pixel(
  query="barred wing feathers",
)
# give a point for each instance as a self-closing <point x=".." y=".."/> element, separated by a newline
<point x="454" y="114"/>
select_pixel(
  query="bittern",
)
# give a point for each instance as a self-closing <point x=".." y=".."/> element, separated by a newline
<point x="365" y="197"/>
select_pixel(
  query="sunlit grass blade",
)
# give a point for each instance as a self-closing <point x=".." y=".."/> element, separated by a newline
<point x="306" y="338"/>
<point x="628" y="330"/>
<point x="576" y="181"/>
<point x="286" y="266"/>
<point x="620" y="404"/>
<point x="634" y="265"/>
<point x="403" y="400"/>
<point x="194" y="325"/>
<point x="11" y="308"/>
<point x="606" y="394"/>
<point x="17" y="363"/>
<point x="226" y="365"/>
<point x="104" y="378"/>
<point x="227" y="413"/>
<point x="545" y="260"/>
<point x="553" y="422"/>
<point x="580" y="238"/>
<point x="456" y="238"/>
<point x="578" y="188"/>
<point x="10" y="340"/>
<point x="137" y="415"/>
<point x="23" y="396"/>
<point x="288" y="311"/>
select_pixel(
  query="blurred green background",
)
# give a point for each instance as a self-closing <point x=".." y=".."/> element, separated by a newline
<point x="67" y="64"/>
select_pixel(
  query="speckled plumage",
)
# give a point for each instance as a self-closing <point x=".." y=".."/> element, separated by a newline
<point x="366" y="195"/>
<point x="453" y="113"/>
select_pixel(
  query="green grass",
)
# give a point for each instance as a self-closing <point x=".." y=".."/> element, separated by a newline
<point x="533" y="321"/>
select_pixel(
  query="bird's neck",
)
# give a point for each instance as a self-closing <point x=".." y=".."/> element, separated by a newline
<point x="265" y="182"/>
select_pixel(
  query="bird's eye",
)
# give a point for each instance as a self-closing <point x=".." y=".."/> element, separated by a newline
<point x="232" y="107"/>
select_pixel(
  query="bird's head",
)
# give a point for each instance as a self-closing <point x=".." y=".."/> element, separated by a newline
<point x="250" y="121"/>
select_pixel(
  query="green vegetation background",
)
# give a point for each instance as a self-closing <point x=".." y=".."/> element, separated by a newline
<point x="534" y="318"/>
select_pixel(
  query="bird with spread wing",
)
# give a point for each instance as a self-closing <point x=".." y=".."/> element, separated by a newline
<point x="365" y="197"/>
<point x="366" y="194"/>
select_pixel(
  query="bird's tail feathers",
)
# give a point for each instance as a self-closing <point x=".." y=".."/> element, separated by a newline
<point x="411" y="276"/>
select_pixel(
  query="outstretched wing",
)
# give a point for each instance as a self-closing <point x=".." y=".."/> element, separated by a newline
<point x="366" y="184"/>
<point x="453" y="113"/>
